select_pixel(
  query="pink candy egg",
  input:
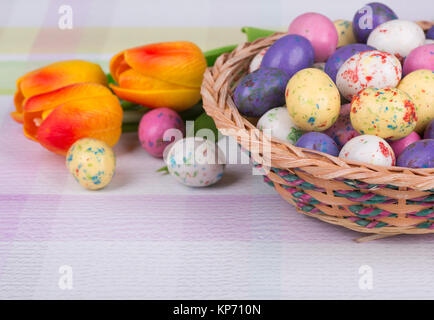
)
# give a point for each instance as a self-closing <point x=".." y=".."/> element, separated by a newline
<point x="153" y="126"/>
<point x="342" y="130"/>
<point x="420" y="58"/>
<point x="319" y="30"/>
<point x="398" y="146"/>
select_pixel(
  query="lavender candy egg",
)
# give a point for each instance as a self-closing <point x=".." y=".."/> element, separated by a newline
<point x="419" y="154"/>
<point x="342" y="130"/>
<point x="290" y="53"/>
<point x="318" y="141"/>
<point x="338" y="58"/>
<point x="430" y="33"/>
<point x="429" y="131"/>
<point x="361" y="22"/>
<point x="399" y="145"/>
<point x="153" y="126"/>
<point x="261" y="91"/>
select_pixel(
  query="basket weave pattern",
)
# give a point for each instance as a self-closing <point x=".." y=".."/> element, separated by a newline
<point x="365" y="198"/>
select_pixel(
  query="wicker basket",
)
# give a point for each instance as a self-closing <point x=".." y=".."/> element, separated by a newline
<point x="383" y="201"/>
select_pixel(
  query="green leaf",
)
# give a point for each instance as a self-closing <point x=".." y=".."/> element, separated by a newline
<point x="256" y="33"/>
<point x="212" y="55"/>
<point x="193" y="112"/>
<point x="130" y="127"/>
<point x="204" y="121"/>
<point x="110" y="79"/>
<point x="164" y="169"/>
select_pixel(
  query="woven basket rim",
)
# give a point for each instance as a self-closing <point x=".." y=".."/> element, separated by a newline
<point x="218" y="103"/>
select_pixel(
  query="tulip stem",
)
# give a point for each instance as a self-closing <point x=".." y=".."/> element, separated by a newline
<point x="164" y="169"/>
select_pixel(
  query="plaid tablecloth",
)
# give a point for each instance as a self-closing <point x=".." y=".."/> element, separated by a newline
<point x="146" y="236"/>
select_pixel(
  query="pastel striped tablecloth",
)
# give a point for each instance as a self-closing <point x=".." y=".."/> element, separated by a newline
<point x="146" y="236"/>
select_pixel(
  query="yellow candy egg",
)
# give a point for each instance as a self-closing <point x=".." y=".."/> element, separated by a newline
<point x="91" y="162"/>
<point x="386" y="113"/>
<point x="345" y="32"/>
<point x="419" y="85"/>
<point x="312" y="100"/>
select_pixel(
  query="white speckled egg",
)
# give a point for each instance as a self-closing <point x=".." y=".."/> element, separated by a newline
<point x="312" y="99"/>
<point x="195" y="162"/>
<point x="368" y="69"/>
<point x="256" y="61"/>
<point x="387" y="113"/>
<point x="277" y="120"/>
<point x="345" y="32"/>
<point x="368" y="149"/>
<point x="397" y="37"/>
<point x="91" y="162"/>
<point x="419" y="85"/>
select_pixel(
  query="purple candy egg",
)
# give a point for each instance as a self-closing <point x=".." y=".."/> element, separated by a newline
<point x="290" y="53"/>
<point x="342" y="130"/>
<point x="261" y="91"/>
<point x="343" y="53"/>
<point x="318" y="141"/>
<point x="430" y="33"/>
<point x="419" y="154"/>
<point x="429" y="131"/>
<point x="369" y="17"/>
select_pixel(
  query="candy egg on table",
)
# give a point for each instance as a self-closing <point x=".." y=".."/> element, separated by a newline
<point x="319" y="30"/>
<point x="338" y="58"/>
<point x="153" y="125"/>
<point x="419" y="154"/>
<point x="290" y="53"/>
<point x="368" y="69"/>
<point x="397" y="37"/>
<point x="345" y="32"/>
<point x="92" y="163"/>
<point x="256" y="61"/>
<point x="420" y="58"/>
<point x="399" y="145"/>
<point x="195" y="162"/>
<point x="260" y="91"/>
<point x="312" y="99"/>
<point x="368" y="149"/>
<point x="419" y="85"/>
<point x="363" y="26"/>
<point x="318" y="141"/>
<point x="342" y="130"/>
<point x="429" y="130"/>
<point x="277" y="120"/>
<point x="387" y="113"/>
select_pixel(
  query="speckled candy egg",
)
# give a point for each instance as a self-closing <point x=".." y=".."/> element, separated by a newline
<point x="399" y="145"/>
<point x="345" y="32"/>
<point x="361" y="22"/>
<point x="153" y="126"/>
<point x="368" y="69"/>
<point x="397" y="37"/>
<point x="195" y="162"/>
<point x="312" y="100"/>
<point x="342" y="130"/>
<point x="420" y="58"/>
<point x="277" y="120"/>
<point x="419" y="85"/>
<point x="260" y="91"/>
<point x="91" y="162"/>
<point x="319" y="30"/>
<point x="429" y="130"/>
<point x="419" y="154"/>
<point x="256" y="61"/>
<point x="387" y="113"/>
<point x="341" y="55"/>
<point x="290" y="53"/>
<point x="318" y="141"/>
<point x="368" y="149"/>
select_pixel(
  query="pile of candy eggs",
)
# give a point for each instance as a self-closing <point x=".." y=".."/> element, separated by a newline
<point x="363" y="94"/>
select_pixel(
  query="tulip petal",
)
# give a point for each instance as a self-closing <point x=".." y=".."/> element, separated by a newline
<point x="181" y="62"/>
<point x="97" y="117"/>
<point x="131" y="79"/>
<point x="178" y="100"/>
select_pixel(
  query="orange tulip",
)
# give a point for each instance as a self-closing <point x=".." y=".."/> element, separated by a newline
<point x="52" y="77"/>
<point x="167" y="74"/>
<point x="58" y="118"/>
